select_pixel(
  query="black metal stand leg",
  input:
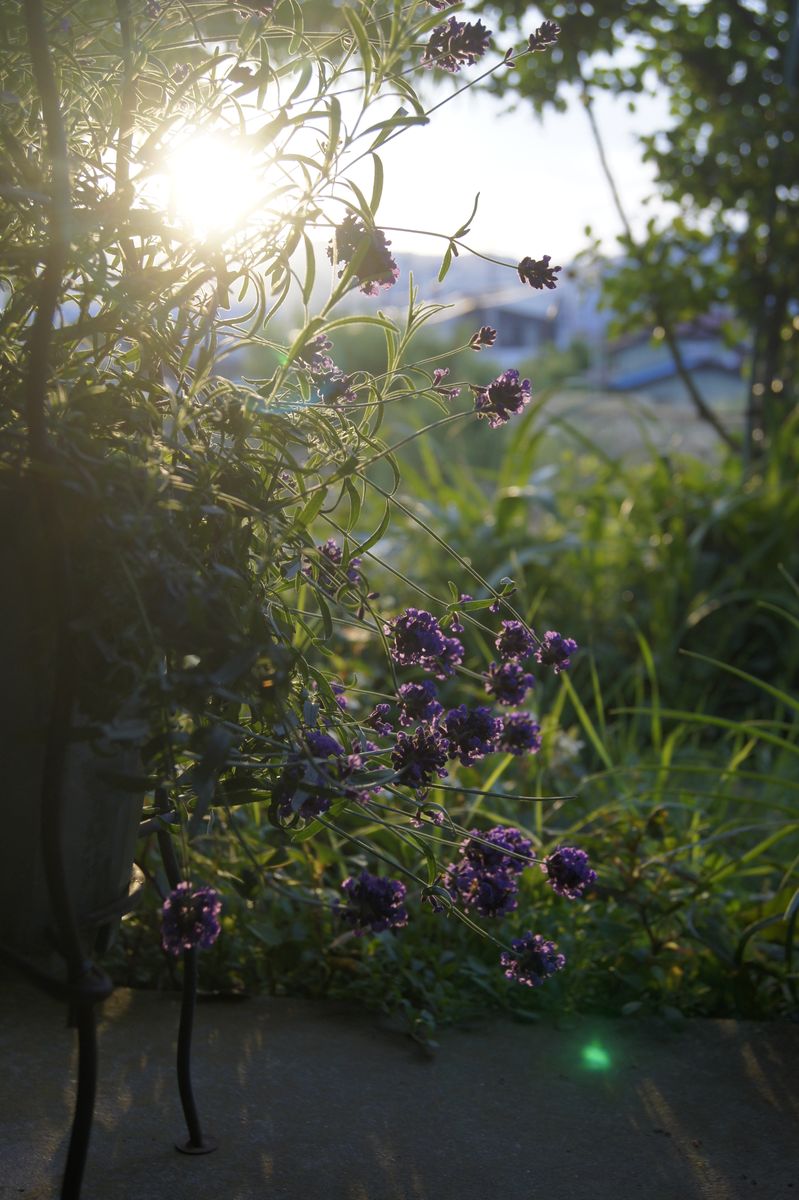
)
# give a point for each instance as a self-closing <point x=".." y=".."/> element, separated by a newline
<point x="197" y="1143"/>
<point x="84" y="1102"/>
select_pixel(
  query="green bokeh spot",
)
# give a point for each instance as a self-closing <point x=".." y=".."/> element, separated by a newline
<point x="596" y="1057"/>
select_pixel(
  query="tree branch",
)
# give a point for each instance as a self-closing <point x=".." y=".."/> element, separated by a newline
<point x="700" y="405"/>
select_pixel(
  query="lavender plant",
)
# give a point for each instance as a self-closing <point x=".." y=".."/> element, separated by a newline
<point x="207" y="530"/>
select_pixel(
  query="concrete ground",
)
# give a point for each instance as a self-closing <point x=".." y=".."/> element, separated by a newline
<point x="315" y="1102"/>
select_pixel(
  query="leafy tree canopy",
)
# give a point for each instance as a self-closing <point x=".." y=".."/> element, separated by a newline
<point x="729" y="159"/>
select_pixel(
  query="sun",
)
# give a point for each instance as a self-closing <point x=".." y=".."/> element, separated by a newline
<point x="214" y="186"/>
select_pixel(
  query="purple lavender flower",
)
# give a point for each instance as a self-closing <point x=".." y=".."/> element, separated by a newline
<point x="484" y="877"/>
<point x="568" y="872"/>
<point x="449" y="393"/>
<point x="190" y="918"/>
<point x="532" y="960"/>
<point x="378" y="721"/>
<point x="496" y="849"/>
<point x="538" y="273"/>
<point x="515" y="641"/>
<point x="420" y="642"/>
<point x="332" y="385"/>
<point x="546" y="35"/>
<point x="521" y="734"/>
<point x="491" y="893"/>
<point x="419" y="757"/>
<point x="484" y="336"/>
<point x="418" y="702"/>
<point x="314" y="357"/>
<point x="331" y="557"/>
<point x="451" y="656"/>
<point x="503" y="397"/>
<point x="338" y="691"/>
<point x="456" y="625"/>
<point x="456" y="44"/>
<point x="471" y="733"/>
<point x="508" y="682"/>
<point x="373" y="903"/>
<point x="375" y="266"/>
<point x="322" y="745"/>
<point x="308" y="787"/>
<point x="555" y="650"/>
<point x="337" y="388"/>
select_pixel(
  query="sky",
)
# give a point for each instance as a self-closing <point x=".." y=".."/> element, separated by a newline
<point x="540" y="183"/>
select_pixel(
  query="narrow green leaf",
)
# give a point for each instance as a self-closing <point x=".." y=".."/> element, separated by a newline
<point x="586" y="722"/>
<point x="364" y="49"/>
<point x="310" y="509"/>
<point x="464" y="229"/>
<point x="306" y="70"/>
<point x="333" y="129"/>
<point x="377" y="183"/>
<point x="354" y="497"/>
<point x="777" y="693"/>
<point x="755" y="927"/>
<point x="375" y="537"/>
<point x="327" y="620"/>
<point x="310" y="269"/>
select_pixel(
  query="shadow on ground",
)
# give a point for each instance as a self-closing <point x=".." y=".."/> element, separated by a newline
<point x="311" y="1101"/>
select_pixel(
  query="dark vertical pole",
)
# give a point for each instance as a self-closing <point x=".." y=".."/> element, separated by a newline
<point x="86" y="985"/>
<point x="197" y="1143"/>
<point x="84" y="1101"/>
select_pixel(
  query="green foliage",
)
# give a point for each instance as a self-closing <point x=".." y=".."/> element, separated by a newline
<point x="729" y="159"/>
<point x="679" y="775"/>
<point x="171" y="520"/>
<point x="178" y="518"/>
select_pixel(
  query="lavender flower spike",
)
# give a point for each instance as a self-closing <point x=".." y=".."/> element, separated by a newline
<point x="420" y="642"/>
<point x="503" y="397"/>
<point x="508" y="682"/>
<point x="420" y="757"/>
<point x="521" y="734"/>
<point x="373" y="902"/>
<point x="484" y="336"/>
<point x="472" y="733"/>
<point x="531" y="960"/>
<point x="418" y="702"/>
<point x="456" y="44"/>
<point x="515" y="641"/>
<point x="568" y="872"/>
<point x="375" y="266"/>
<point x="190" y="918"/>
<point x="538" y="273"/>
<point x="555" y="651"/>
<point x="545" y="36"/>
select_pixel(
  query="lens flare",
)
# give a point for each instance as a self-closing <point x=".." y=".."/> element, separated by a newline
<point x="595" y="1057"/>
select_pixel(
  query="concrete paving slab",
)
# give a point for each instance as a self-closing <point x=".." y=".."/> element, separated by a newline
<point x="317" y="1102"/>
